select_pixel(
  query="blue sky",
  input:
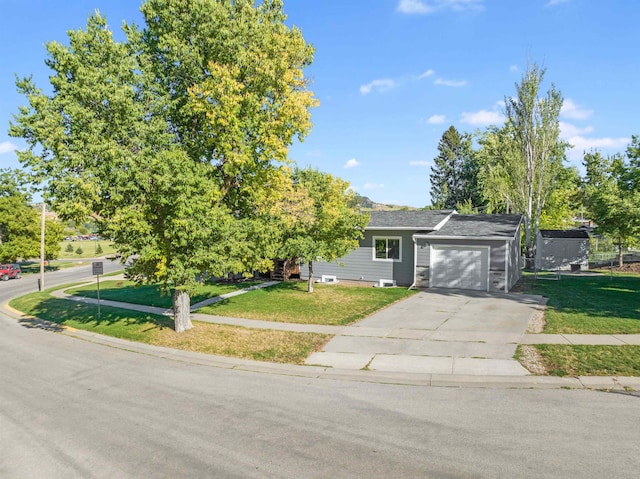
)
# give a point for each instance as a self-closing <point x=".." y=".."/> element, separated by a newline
<point x="393" y="75"/>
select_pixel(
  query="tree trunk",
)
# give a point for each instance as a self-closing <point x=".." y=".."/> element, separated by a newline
<point x="620" y="260"/>
<point x="181" y="311"/>
<point x="310" y="281"/>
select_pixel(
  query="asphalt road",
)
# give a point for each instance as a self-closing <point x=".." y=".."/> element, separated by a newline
<point x="71" y="408"/>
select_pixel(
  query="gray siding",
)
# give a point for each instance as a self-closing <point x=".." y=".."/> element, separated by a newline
<point x="561" y="253"/>
<point x="497" y="249"/>
<point x="359" y="265"/>
<point x="514" y="261"/>
<point x="422" y="263"/>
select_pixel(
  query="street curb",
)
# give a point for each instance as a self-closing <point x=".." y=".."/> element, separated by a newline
<point x="609" y="383"/>
<point x="618" y="383"/>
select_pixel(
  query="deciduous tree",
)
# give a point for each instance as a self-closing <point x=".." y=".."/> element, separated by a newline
<point x="176" y="137"/>
<point x="613" y="200"/>
<point x="328" y="227"/>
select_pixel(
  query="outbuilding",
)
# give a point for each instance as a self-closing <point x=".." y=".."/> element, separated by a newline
<point x="562" y="250"/>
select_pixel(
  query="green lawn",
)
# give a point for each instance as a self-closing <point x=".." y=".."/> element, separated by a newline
<point x="591" y="304"/>
<point x="88" y="249"/>
<point x="582" y="360"/>
<point x="289" y="302"/>
<point x="150" y="294"/>
<point x="246" y="343"/>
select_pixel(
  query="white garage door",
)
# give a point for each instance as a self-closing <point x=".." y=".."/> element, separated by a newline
<point x="459" y="267"/>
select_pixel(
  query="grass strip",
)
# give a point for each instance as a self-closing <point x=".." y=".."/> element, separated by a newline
<point x="288" y="302"/>
<point x="587" y="360"/>
<point x="232" y="341"/>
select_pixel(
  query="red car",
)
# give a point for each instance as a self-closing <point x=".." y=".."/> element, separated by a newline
<point x="10" y="271"/>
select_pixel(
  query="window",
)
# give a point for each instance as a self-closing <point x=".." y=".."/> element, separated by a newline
<point x="387" y="249"/>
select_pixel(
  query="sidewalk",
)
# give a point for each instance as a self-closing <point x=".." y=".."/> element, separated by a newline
<point x="416" y="368"/>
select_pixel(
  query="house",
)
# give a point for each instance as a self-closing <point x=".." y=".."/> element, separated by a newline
<point x="433" y="248"/>
<point x="562" y="250"/>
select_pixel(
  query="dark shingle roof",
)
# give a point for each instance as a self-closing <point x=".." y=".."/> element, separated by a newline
<point x="407" y="219"/>
<point x="475" y="226"/>
<point x="573" y="234"/>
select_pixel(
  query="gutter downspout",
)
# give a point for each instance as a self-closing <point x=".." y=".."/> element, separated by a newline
<point x="415" y="262"/>
<point x="506" y="266"/>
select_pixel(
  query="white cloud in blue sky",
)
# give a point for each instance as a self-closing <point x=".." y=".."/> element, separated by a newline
<point x="420" y="163"/>
<point x="373" y="186"/>
<point x="7" y="147"/>
<point x="436" y="119"/>
<point x="380" y="85"/>
<point x="482" y="118"/>
<point x="426" y="74"/>
<point x="451" y="83"/>
<point x="352" y="163"/>
<point x="573" y="111"/>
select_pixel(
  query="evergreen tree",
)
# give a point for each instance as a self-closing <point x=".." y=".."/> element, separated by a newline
<point x="454" y="175"/>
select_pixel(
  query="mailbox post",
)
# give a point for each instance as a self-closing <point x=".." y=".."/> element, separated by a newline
<point x="97" y="269"/>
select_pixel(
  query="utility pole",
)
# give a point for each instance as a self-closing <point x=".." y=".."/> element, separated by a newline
<point x="41" y="282"/>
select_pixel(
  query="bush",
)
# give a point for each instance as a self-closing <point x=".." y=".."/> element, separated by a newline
<point x="99" y="249"/>
<point x="79" y="251"/>
<point x="69" y="248"/>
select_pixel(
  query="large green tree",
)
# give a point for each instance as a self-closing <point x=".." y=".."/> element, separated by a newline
<point x="454" y="172"/>
<point x="326" y="225"/>
<point x="612" y="199"/>
<point x="523" y="160"/>
<point x="176" y="138"/>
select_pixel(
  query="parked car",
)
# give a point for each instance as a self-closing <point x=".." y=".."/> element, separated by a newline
<point x="10" y="271"/>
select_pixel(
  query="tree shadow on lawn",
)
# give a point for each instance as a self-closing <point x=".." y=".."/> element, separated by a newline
<point x="85" y="316"/>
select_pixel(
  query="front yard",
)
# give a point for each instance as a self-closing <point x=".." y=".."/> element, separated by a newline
<point x="246" y="343"/>
<point x="284" y="302"/>
<point x="601" y="304"/>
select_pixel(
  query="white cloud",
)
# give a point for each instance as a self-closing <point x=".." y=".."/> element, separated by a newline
<point x="568" y="130"/>
<point x="373" y="186"/>
<point x="482" y="118"/>
<point x="7" y="147"/>
<point x="420" y="163"/>
<point x="436" y="119"/>
<point x="426" y="74"/>
<point x="573" y="111"/>
<point x="514" y="68"/>
<point x="451" y="83"/>
<point x="425" y="7"/>
<point x="581" y="144"/>
<point x="414" y="7"/>
<point x="352" y="163"/>
<point x="379" y="85"/>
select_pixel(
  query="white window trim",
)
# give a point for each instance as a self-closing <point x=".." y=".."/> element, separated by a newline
<point x="373" y="252"/>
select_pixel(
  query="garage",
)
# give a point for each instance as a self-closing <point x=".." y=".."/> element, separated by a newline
<point x="463" y="267"/>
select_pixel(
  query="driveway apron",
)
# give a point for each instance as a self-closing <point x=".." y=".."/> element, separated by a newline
<point x="437" y="331"/>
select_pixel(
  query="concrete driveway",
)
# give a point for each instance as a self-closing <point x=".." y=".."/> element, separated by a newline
<point x="437" y="331"/>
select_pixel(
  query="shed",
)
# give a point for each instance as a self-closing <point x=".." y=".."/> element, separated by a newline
<point x="562" y="250"/>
